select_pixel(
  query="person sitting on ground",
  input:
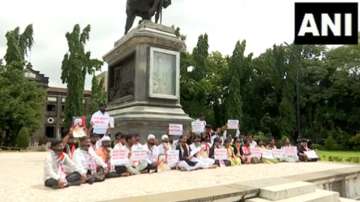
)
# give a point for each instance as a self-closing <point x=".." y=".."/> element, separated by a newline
<point x="272" y="144"/>
<point x="165" y="145"/>
<point x="139" y="165"/>
<point x="123" y="168"/>
<point x="246" y="153"/>
<point x="234" y="160"/>
<point x="288" y="157"/>
<point x="104" y="151"/>
<point x="163" y="149"/>
<point x="185" y="162"/>
<point x="59" y="170"/>
<point x="237" y="147"/>
<point x="89" y="163"/>
<point x="303" y="149"/>
<point x="152" y="153"/>
<point x="200" y="154"/>
<point x="267" y="156"/>
<point x="218" y="145"/>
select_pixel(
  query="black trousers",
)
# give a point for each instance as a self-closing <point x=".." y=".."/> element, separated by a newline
<point x="72" y="179"/>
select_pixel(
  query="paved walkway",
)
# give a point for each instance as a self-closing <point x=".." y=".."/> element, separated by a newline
<point x="21" y="177"/>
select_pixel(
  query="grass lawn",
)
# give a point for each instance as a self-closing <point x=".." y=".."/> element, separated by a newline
<point x="340" y="156"/>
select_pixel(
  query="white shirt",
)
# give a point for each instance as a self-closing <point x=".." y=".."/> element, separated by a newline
<point x="53" y="165"/>
<point x="152" y="153"/>
<point x="100" y="122"/>
<point x="253" y="144"/>
<point x="87" y="160"/>
<point x="162" y="150"/>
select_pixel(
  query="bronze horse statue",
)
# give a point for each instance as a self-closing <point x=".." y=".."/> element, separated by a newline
<point x="145" y="9"/>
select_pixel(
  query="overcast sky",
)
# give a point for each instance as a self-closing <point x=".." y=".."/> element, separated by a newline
<point x="261" y="22"/>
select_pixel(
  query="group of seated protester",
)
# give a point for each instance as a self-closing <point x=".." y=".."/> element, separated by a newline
<point x="94" y="158"/>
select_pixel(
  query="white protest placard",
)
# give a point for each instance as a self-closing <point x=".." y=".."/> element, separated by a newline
<point x="101" y="122"/>
<point x="175" y="129"/>
<point x="119" y="156"/>
<point x="112" y="122"/>
<point x="138" y="154"/>
<point x="172" y="157"/>
<point x="220" y="154"/>
<point x="233" y="124"/>
<point x="278" y="153"/>
<point x="311" y="154"/>
<point x="78" y="132"/>
<point x="198" y="126"/>
<point x="255" y="152"/>
<point x="290" y="151"/>
<point x="267" y="154"/>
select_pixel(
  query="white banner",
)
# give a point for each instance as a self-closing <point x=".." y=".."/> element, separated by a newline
<point x="233" y="124"/>
<point x="175" y="129"/>
<point x="255" y="152"/>
<point x="220" y="154"/>
<point x="267" y="154"/>
<point x="198" y="126"/>
<point x="311" y="154"/>
<point x="278" y="153"/>
<point x="172" y="157"/>
<point x="138" y="154"/>
<point x="119" y="156"/>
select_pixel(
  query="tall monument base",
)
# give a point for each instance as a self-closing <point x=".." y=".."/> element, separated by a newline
<point x="144" y="81"/>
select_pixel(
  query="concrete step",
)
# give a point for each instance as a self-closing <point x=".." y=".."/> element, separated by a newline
<point x="317" y="196"/>
<point x="347" y="200"/>
<point x="287" y="190"/>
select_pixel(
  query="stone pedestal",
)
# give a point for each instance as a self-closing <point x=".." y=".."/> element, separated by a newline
<point x="144" y="81"/>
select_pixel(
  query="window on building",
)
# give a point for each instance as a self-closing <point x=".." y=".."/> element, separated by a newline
<point x="62" y="108"/>
<point x="52" y="99"/>
<point x="50" y="132"/>
<point x="51" y="108"/>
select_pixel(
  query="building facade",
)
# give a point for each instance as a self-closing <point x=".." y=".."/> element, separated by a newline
<point x="53" y="110"/>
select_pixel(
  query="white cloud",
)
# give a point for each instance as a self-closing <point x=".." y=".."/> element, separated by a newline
<point x="261" y="22"/>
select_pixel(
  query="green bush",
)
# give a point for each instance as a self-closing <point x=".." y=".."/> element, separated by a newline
<point x="355" y="159"/>
<point x="330" y="143"/>
<point x="317" y="147"/>
<point x="23" y="139"/>
<point x="330" y="158"/>
<point x="355" y="141"/>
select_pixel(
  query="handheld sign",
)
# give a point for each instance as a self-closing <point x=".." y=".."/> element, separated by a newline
<point x="233" y="124"/>
<point x="119" y="156"/>
<point x="278" y="153"/>
<point x="290" y="151"/>
<point x="220" y="154"/>
<point x="138" y="154"/>
<point x="112" y="122"/>
<point x="175" y="129"/>
<point x="311" y="154"/>
<point x="172" y="157"/>
<point x="78" y="132"/>
<point x="267" y="154"/>
<point x="255" y="152"/>
<point x="198" y="126"/>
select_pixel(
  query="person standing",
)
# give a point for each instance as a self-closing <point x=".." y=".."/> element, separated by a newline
<point x="100" y="124"/>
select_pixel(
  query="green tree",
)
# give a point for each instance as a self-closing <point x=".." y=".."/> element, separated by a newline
<point x="98" y="94"/>
<point x="77" y="63"/>
<point x="21" y="100"/>
<point x="238" y="66"/>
